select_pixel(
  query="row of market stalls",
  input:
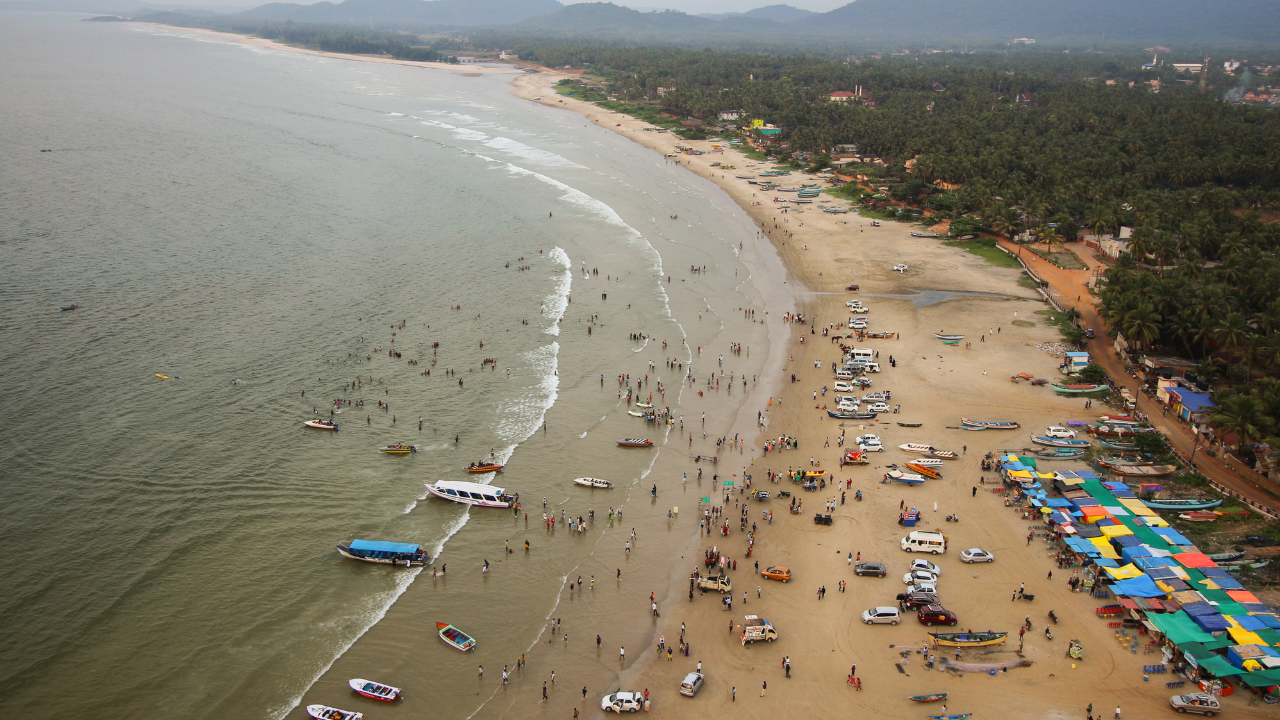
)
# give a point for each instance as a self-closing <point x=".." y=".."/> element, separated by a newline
<point x="1208" y="626"/>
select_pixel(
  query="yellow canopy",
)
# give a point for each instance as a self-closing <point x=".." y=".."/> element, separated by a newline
<point x="1104" y="547"/>
<point x="1155" y="521"/>
<point x="1209" y="584"/>
<point x="1244" y="637"/>
<point x="1025" y="474"/>
<point x="1114" y="530"/>
<point x="1124" y="573"/>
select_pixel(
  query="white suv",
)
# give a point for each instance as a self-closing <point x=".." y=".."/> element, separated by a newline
<point x="620" y="702"/>
<point x="1059" y="432"/>
<point x="881" y="615"/>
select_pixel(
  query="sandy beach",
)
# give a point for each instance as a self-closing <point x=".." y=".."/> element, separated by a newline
<point x="935" y="385"/>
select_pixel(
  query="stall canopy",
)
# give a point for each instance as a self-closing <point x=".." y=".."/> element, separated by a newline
<point x="1262" y="678"/>
<point x="1137" y="587"/>
<point x="1179" y="628"/>
<point x="1218" y="667"/>
<point x="1172" y="536"/>
<point x="1194" y="560"/>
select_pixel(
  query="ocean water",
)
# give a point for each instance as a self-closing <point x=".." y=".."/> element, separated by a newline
<point x="263" y="228"/>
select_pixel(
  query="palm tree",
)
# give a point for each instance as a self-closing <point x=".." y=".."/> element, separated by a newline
<point x="1143" y="325"/>
<point x="1242" y="415"/>
<point x="1233" y="332"/>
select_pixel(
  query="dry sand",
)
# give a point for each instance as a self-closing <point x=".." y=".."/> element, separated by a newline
<point x="935" y="385"/>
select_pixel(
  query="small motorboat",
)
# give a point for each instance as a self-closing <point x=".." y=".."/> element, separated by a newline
<point x="593" y="483"/>
<point x="993" y="424"/>
<point x="945" y="454"/>
<point x="1202" y="503"/>
<point x="964" y="426"/>
<point x="469" y="493"/>
<point x="398" y="449"/>
<point x="1060" y="455"/>
<point x="484" y="467"/>
<point x="940" y="336"/>
<point x="644" y="405"/>
<point x="377" y="691"/>
<point x="935" y="697"/>
<point x="815" y="473"/>
<point x="1199" y="516"/>
<point x="386" y="553"/>
<point x="915" y="447"/>
<point x="968" y="639"/>
<point x="925" y="470"/>
<point x="927" y="462"/>
<point x="324" y="712"/>
<point x="454" y="637"/>
<point x="902" y="424"/>
<point x="908" y="478"/>
<point x="635" y="442"/>
<point x="635" y="413"/>
<point x="321" y="424"/>
<point x="65" y="308"/>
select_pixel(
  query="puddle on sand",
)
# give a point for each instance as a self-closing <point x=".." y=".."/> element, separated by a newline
<point x="928" y="297"/>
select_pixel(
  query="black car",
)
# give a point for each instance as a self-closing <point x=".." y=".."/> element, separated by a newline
<point x="911" y="601"/>
<point x="870" y="568"/>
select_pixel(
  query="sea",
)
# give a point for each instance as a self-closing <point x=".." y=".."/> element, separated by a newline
<point x="253" y="238"/>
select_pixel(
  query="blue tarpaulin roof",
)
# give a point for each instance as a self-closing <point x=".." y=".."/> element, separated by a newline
<point x="1058" y="503"/>
<point x="1173" y="536"/>
<point x="1199" y="608"/>
<point x="1105" y="562"/>
<point x="1139" y="551"/>
<point x="1086" y="475"/>
<point x="378" y="546"/>
<point x="1137" y="587"/>
<point x="1160" y="573"/>
<point x="1211" y="623"/>
<point x="1127" y="541"/>
<point x="1193" y="401"/>
<point x="1213" y="572"/>
<point x="1226" y="583"/>
<point x="1249" y="622"/>
<point x="1082" y="546"/>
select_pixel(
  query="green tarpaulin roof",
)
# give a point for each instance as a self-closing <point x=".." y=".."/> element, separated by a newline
<point x="1262" y="678"/>
<point x="1219" y="667"/>
<point x="1179" y="627"/>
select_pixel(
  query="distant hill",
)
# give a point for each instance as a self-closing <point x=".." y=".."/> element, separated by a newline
<point x="407" y="12"/>
<point x="614" y="20"/>
<point x="1182" y="21"/>
<point x="776" y="13"/>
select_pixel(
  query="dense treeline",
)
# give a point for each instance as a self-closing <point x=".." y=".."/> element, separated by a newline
<point x="332" y="38"/>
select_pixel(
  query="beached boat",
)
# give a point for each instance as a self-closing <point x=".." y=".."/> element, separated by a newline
<point x="931" y="473"/>
<point x="1059" y="442"/>
<point x="635" y="442"/>
<point x="1226" y="557"/>
<point x="851" y="415"/>
<point x="878" y="335"/>
<point x="324" y="712"/>
<point x="944" y="454"/>
<point x="398" y="449"/>
<point x="948" y="337"/>
<point x="455" y="637"/>
<point x="902" y="424"/>
<point x="1118" y="462"/>
<point x="1150" y="471"/>
<point x="925" y="235"/>
<point x="593" y="482"/>
<point x="469" y="493"/>
<point x="962" y="716"/>
<point x="377" y="691"/>
<point x="1116" y="419"/>
<point x="929" y="698"/>
<point x="1111" y="445"/>
<point x="915" y="447"/>
<point x="1077" y="389"/>
<point x="1199" y="516"/>
<point x="1118" y="430"/>
<point x="1060" y="455"/>
<point x="950" y="342"/>
<point x="484" y="467"/>
<point x="968" y="639"/>
<point x="321" y="424"/>
<point x="993" y="424"/>
<point x="927" y="462"/>
<point x="801" y="200"/>
<point x="973" y="427"/>
<point x="836" y="211"/>
<point x="852" y="457"/>
<point x="635" y="413"/>
<point x="1201" y="503"/>
<point x="908" y="478"/>
<point x="1248" y="565"/>
<point x="744" y="177"/>
<point x="385" y="553"/>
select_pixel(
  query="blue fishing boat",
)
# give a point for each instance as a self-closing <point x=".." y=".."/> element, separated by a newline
<point x="993" y="424"/>
<point x="1117" y="445"/>
<point x="386" y="553"/>
<point x="851" y="415"/>
<point x="1059" y="442"/>
<point x="1187" y="504"/>
<point x="1060" y="455"/>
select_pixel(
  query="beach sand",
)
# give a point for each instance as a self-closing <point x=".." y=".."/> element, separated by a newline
<point x="935" y="385"/>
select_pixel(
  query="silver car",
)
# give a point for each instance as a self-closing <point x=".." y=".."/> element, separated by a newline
<point x="1202" y="703"/>
<point x="691" y="684"/>
<point x="878" y="615"/>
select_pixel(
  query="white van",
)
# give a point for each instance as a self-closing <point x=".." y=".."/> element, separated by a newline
<point x="872" y="367"/>
<point x="925" y="541"/>
<point x="861" y="353"/>
<point x="844" y="374"/>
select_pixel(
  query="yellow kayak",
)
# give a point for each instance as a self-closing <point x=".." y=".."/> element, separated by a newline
<point x="162" y="377"/>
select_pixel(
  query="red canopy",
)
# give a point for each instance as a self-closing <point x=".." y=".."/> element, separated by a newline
<point x="1194" y="560"/>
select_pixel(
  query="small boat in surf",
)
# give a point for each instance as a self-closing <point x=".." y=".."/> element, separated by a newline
<point x="635" y="442"/>
<point x="65" y="308"/>
<point x="644" y="405"/>
<point x="377" y="691"/>
<point x="324" y="712"/>
<point x="321" y="424"/>
<point x="454" y="637"/>
<point x="385" y="553"/>
<point x="484" y="467"/>
<point x="593" y="482"/>
<point x="635" y="413"/>
<point x="469" y="493"/>
<point x="398" y="449"/>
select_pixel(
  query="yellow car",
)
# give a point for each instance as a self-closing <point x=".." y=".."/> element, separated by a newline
<point x="776" y="573"/>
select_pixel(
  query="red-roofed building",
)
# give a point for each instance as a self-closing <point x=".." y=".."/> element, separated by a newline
<point x="842" y="96"/>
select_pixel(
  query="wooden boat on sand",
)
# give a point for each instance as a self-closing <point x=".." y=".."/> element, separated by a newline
<point x="1077" y="389"/>
<point x="944" y="454"/>
<point x="324" y="712"/>
<point x="454" y="637"/>
<point x="1059" y="442"/>
<point x="1060" y="455"/>
<point x="929" y="698"/>
<point x="1201" y="503"/>
<point x="851" y="415"/>
<point x="902" y="424"/>
<point x="1151" y="471"/>
<point x="993" y="424"/>
<point x="968" y="639"/>
<point x="940" y="336"/>
<point x="377" y="691"/>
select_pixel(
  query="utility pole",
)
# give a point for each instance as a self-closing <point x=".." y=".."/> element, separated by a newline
<point x="1204" y="74"/>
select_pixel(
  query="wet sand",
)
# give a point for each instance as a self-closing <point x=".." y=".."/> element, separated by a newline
<point x="936" y="385"/>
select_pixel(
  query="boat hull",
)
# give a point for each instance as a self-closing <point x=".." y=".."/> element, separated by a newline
<point x="317" y="425"/>
<point x="992" y="424"/>
<point x="929" y="698"/>
<point x="374" y="690"/>
<point x="468" y="500"/>
<point x="455" y="638"/>
<point x="948" y="337"/>
<point x="635" y="443"/>
<point x="324" y="712"/>
<point x="1078" y="389"/>
<point x="485" y="468"/>
<point x="968" y="639"/>
<point x="1059" y="442"/>
<point x="347" y="552"/>
<point x="593" y="483"/>
<point x="1189" y="504"/>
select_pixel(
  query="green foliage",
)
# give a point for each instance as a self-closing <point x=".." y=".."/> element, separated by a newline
<point x="986" y="249"/>
<point x="1153" y="443"/>
<point x="849" y="191"/>
<point x="1093" y="373"/>
<point x="334" y="38"/>
<point x="965" y="225"/>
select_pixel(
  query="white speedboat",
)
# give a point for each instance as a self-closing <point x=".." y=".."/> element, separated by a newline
<point x="915" y="447"/>
<point x="929" y="462"/>
<point x="324" y="712"/>
<point x="321" y="424"/>
<point x="469" y="493"/>
<point x="593" y="482"/>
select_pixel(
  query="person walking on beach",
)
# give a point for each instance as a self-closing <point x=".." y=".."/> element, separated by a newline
<point x="734" y="694"/>
<point x="764" y="686"/>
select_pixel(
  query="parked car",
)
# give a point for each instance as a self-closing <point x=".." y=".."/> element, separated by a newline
<point x="977" y="555"/>
<point x="876" y="616"/>
<point x="623" y="702"/>
<point x="875" y="396"/>
<point x="870" y="568"/>
<point x="909" y="601"/>
<point x="842" y="386"/>
<point x="760" y="494"/>
<point x="851" y="288"/>
<point x="1056" y="431"/>
<point x="878" y="408"/>
<point x="776" y="572"/>
<point x="872" y="447"/>
<point x="867" y="439"/>
<point x="932" y="615"/>
<point x="853" y="303"/>
<point x="692" y="683"/>
<point x="858" y="324"/>
<point x="926" y="566"/>
<point x="919" y="576"/>
<point x="1202" y="703"/>
<point x="846" y="407"/>
<point x="922" y="588"/>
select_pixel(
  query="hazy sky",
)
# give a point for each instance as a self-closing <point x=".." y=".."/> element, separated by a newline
<point x="689" y="6"/>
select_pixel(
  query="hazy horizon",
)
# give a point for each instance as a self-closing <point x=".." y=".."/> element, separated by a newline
<point x="693" y="7"/>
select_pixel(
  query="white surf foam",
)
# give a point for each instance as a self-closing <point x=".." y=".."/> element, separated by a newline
<point x="532" y="154"/>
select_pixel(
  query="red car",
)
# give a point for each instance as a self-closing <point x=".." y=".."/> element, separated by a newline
<point x="932" y="615"/>
<point x="852" y="288"/>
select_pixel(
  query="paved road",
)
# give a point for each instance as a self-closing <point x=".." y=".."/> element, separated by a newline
<point x="1065" y="283"/>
